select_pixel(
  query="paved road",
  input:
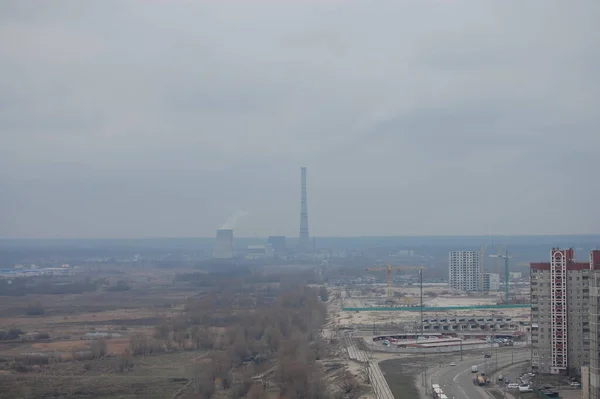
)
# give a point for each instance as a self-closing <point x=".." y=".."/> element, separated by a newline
<point x="457" y="381"/>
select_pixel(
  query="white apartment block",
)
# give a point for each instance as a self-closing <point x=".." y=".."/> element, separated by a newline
<point x="464" y="270"/>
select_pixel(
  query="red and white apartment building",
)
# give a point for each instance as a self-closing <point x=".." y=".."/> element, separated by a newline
<point x="562" y="313"/>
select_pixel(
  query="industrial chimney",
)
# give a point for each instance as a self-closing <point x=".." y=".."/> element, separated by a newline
<point x="304" y="242"/>
<point x="224" y="246"/>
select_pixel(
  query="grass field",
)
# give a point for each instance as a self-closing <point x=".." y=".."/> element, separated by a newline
<point x="92" y="387"/>
<point x="155" y="376"/>
<point x="401" y="378"/>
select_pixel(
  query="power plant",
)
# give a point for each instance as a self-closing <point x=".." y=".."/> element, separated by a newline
<point x="224" y="246"/>
<point x="304" y="242"/>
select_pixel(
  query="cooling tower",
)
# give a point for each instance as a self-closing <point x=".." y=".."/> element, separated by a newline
<point x="224" y="246"/>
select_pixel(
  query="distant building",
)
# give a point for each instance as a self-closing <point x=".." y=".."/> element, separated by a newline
<point x="464" y="270"/>
<point x="278" y="243"/>
<point x="515" y="275"/>
<point x="259" y="251"/>
<point x="560" y="327"/>
<point x="491" y="282"/>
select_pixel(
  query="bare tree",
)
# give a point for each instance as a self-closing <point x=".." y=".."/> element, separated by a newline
<point x="99" y="348"/>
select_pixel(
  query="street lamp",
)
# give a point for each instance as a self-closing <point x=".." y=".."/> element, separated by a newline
<point x="496" y="348"/>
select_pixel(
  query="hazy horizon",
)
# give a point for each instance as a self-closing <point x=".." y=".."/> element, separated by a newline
<point x="424" y="118"/>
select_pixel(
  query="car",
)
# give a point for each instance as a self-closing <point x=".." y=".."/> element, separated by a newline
<point x="525" y="388"/>
<point x="487" y="355"/>
<point x="575" y="384"/>
<point x="452" y="364"/>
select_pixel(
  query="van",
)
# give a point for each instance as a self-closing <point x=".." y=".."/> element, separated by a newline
<point x="474" y="369"/>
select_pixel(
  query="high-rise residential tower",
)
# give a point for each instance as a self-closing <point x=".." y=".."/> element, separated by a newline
<point x="560" y="328"/>
<point x="464" y="270"/>
<point x="594" y="319"/>
<point x="304" y="242"/>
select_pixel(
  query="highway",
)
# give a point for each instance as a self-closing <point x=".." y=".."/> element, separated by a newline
<point x="457" y="381"/>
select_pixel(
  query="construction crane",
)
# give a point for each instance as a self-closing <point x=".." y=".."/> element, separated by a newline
<point x="482" y="249"/>
<point x="506" y="257"/>
<point x="388" y="276"/>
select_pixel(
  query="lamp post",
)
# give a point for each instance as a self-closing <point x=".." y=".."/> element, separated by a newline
<point x="496" y="348"/>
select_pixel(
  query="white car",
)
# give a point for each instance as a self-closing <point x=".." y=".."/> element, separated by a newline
<point x="525" y="388"/>
<point x="452" y="364"/>
<point x="575" y="385"/>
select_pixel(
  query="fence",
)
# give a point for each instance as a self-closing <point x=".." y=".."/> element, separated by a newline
<point x="436" y="308"/>
<point x="376" y="347"/>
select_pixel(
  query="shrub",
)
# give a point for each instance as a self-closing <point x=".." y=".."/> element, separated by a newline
<point x="42" y="336"/>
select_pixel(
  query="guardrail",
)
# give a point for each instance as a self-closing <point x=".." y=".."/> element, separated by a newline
<point x="372" y="346"/>
<point x="436" y="308"/>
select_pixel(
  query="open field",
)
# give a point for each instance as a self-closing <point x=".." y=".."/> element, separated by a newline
<point x="401" y="377"/>
<point x="154" y="334"/>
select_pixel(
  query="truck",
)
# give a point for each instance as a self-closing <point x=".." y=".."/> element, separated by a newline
<point x="481" y="380"/>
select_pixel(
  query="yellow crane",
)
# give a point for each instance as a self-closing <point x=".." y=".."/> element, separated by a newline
<point x="388" y="275"/>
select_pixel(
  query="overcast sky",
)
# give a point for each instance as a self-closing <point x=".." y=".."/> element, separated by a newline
<point x="164" y="117"/>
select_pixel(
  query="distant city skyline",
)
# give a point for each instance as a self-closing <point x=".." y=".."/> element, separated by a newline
<point x="414" y="118"/>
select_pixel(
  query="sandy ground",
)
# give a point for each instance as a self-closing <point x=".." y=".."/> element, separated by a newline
<point x="358" y="297"/>
<point x="61" y="346"/>
<point x="121" y="314"/>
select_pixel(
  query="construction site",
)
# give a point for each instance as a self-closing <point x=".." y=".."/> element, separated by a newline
<point x="405" y="313"/>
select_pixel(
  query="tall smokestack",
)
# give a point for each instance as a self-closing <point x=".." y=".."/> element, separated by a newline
<point x="224" y="245"/>
<point x="304" y="243"/>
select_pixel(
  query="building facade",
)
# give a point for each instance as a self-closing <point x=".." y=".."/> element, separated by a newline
<point x="491" y="282"/>
<point x="560" y="330"/>
<point x="464" y="270"/>
<point x="594" y="319"/>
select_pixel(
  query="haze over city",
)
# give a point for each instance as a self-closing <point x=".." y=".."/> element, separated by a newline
<point x="161" y="119"/>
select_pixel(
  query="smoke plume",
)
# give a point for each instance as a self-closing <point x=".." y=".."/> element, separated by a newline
<point x="230" y="223"/>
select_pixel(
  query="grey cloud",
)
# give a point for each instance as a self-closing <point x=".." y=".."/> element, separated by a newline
<point x="161" y="110"/>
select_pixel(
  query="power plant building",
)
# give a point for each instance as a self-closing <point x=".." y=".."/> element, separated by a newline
<point x="560" y="306"/>
<point x="278" y="243"/>
<point x="464" y="270"/>
<point x="224" y="245"/>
